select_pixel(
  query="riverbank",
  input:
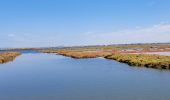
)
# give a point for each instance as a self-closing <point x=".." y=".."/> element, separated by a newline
<point x="8" y="56"/>
<point x="141" y="60"/>
<point x="146" y="60"/>
<point x="78" y="54"/>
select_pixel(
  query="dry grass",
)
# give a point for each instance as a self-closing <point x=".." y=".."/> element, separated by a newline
<point x="48" y="51"/>
<point x="78" y="53"/>
<point x="82" y="54"/>
<point x="152" y="61"/>
<point x="8" y="56"/>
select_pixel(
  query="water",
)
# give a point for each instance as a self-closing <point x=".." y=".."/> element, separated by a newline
<point x="160" y="53"/>
<point x="21" y="51"/>
<point x="40" y="76"/>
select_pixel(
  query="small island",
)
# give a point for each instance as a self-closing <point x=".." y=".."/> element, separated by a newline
<point x="133" y="55"/>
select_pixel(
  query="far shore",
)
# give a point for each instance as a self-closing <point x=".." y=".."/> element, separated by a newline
<point x="141" y="55"/>
<point x="133" y="55"/>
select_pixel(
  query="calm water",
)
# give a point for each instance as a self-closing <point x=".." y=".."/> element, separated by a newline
<point x="21" y="51"/>
<point x="160" y="53"/>
<point x="51" y="77"/>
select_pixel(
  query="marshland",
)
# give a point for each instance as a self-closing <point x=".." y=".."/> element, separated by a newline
<point x="67" y="74"/>
<point x="133" y="55"/>
<point x="142" y="60"/>
<point x="142" y="55"/>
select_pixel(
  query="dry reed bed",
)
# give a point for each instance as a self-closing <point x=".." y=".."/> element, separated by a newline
<point x="8" y="56"/>
<point x="150" y="61"/>
<point x="145" y="60"/>
<point x="77" y="53"/>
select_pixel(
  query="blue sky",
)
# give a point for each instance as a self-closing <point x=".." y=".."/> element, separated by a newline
<point x="42" y="23"/>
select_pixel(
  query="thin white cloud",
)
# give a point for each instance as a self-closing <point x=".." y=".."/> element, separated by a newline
<point x="11" y="35"/>
<point x="156" y="33"/>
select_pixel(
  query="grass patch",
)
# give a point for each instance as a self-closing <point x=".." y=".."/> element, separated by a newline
<point x="78" y="53"/>
<point x="151" y="61"/>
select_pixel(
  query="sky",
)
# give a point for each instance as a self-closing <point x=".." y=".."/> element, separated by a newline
<point x="50" y="23"/>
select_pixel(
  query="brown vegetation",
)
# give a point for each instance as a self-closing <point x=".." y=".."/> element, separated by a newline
<point x="77" y="53"/>
<point x="147" y="60"/>
<point x="121" y="53"/>
<point x="151" y="61"/>
<point x="8" y="56"/>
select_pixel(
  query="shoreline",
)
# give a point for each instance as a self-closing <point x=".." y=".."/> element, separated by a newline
<point x="8" y="56"/>
<point x="142" y="60"/>
<point x="139" y="60"/>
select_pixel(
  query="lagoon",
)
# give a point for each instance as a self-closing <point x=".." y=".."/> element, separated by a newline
<point x="39" y="76"/>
